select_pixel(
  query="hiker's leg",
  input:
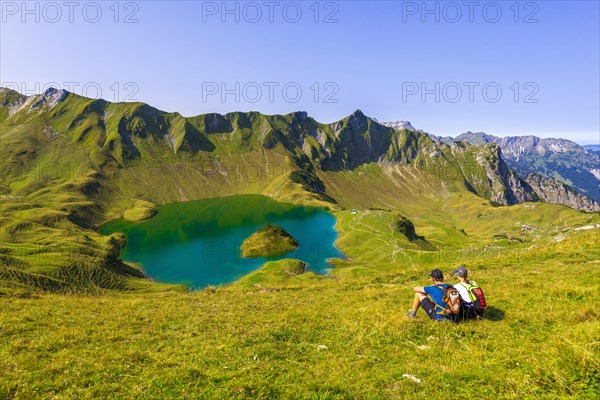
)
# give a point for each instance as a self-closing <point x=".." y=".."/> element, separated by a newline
<point x="429" y="307"/>
<point x="417" y="301"/>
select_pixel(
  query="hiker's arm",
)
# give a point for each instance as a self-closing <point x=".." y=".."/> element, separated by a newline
<point x="419" y="289"/>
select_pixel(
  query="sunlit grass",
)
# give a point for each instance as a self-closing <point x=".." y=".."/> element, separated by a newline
<point x="242" y="341"/>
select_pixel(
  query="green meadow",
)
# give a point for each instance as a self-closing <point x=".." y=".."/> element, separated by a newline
<point x="263" y="337"/>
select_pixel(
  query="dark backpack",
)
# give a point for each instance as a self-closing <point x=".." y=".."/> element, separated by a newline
<point x="451" y="299"/>
<point x="476" y="294"/>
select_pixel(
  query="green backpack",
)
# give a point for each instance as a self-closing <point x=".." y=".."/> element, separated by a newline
<point x="476" y="295"/>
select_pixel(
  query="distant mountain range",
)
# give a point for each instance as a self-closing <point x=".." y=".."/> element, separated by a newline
<point x="561" y="159"/>
<point x="399" y="125"/>
<point x="594" y="148"/>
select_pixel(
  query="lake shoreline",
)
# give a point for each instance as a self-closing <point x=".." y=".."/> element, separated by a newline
<point x="208" y="232"/>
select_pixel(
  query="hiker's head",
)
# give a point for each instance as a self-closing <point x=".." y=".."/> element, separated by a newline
<point x="437" y="275"/>
<point x="461" y="272"/>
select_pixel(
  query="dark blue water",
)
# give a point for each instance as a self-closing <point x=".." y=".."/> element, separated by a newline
<point x="197" y="243"/>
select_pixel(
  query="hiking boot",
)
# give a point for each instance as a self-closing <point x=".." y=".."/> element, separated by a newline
<point x="410" y="314"/>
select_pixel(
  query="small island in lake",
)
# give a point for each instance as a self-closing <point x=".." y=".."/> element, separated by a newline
<point x="269" y="241"/>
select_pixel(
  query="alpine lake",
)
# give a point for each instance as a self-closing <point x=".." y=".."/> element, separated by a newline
<point x="197" y="243"/>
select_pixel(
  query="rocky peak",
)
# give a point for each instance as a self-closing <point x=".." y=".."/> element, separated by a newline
<point x="301" y="115"/>
<point x="442" y="139"/>
<point x="399" y="125"/>
<point x="50" y="97"/>
<point x="358" y="113"/>
<point x="516" y="146"/>
<point x="358" y="121"/>
<point x="476" y="138"/>
<point x="9" y="97"/>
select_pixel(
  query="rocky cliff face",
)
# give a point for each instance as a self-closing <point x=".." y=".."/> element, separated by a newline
<point x="356" y="140"/>
<point x="503" y="186"/>
<point x="516" y="147"/>
<point x="495" y="180"/>
<point x="359" y="140"/>
<point x="555" y="192"/>
<point x="10" y="102"/>
<point x="559" y="159"/>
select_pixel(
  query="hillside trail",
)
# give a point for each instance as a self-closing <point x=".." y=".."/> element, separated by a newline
<point x="357" y="225"/>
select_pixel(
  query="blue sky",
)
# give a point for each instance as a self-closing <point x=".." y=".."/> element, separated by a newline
<point x="532" y="68"/>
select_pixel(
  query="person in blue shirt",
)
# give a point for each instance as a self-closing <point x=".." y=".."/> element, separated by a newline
<point x="430" y="298"/>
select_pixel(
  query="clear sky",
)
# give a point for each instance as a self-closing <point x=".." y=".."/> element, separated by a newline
<point x="448" y="67"/>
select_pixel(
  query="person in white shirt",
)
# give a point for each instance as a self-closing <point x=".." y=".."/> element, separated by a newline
<point x="468" y="311"/>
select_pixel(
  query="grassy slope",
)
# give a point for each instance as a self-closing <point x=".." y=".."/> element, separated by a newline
<point x="269" y="241"/>
<point x="540" y="339"/>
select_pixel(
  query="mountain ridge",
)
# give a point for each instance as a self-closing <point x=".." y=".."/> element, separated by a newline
<point x="559" y="159"/>
<point x="555" y="158"/>
<point x="127" y="132"/>
<point x="594" y="148"/>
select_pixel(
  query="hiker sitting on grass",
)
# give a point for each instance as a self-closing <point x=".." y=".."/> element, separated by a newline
<point x="431" y="298"/>
<point x="471" y="295"/>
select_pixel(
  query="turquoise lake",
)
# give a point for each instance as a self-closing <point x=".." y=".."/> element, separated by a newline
<point x="197" y="243"/>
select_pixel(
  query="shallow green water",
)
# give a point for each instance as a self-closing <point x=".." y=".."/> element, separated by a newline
<point x="198" y="242"/>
